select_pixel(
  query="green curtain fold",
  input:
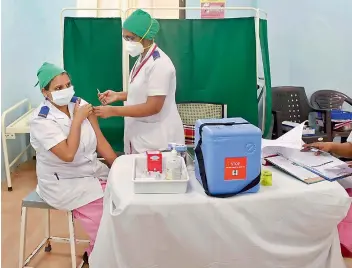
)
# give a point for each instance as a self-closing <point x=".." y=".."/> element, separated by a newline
<point x="215" y="61"/>
<point x="263" y="36"/>
<point x="93" y="58"/>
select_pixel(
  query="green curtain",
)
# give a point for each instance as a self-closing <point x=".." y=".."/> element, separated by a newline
<point x="215" y="61"/>
<point x="93" y="58"/>
<point x="263" y="33"/>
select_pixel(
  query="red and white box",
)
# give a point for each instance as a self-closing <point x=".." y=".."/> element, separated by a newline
<point x="155" y="161"/>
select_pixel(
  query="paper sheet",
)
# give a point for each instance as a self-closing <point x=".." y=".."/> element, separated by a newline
<point x="291" y="139"/>
<point x="296" y="171"/>
<point x="289" y="146"/>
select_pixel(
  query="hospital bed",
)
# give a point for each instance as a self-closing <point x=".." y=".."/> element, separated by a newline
<point x="10" y="132"/>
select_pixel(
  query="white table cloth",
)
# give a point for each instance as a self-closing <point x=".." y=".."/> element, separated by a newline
<point x="289" y="224"/>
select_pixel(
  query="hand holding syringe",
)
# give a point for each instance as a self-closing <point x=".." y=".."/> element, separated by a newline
<point x="107" y="97"/>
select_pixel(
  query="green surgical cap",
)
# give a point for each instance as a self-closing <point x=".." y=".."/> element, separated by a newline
<point x="48" y="72"/>
<point x="142" y="24"/>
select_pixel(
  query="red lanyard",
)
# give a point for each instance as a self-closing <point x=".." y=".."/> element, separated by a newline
<point x="134" y="74"/>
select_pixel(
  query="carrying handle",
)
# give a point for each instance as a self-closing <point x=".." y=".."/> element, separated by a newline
<point x="218" y="124"/>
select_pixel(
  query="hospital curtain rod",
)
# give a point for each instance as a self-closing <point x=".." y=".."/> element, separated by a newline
<point x="165" y="8"/>
<point x="201" y="8"/>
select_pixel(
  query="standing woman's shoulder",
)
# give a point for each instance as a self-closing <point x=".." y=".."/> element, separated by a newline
<point x="162" y="61"/>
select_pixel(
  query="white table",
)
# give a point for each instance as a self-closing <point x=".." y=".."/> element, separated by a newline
<point x="289" y="224"/>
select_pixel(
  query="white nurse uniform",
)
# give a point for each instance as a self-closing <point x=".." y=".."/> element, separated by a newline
<point x="155" y="75"/>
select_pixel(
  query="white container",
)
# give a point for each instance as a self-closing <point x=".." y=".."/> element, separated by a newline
<point x="144" y="185"/>
<point x="174" y="167"/>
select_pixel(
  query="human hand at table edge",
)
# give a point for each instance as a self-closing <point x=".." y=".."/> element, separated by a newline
<point x="340" y="149"/>
<point x="323" y="146"/>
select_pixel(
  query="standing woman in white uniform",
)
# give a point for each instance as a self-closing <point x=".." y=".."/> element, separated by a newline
<point x="151" y="116"/>
<point x="65" y="135"/>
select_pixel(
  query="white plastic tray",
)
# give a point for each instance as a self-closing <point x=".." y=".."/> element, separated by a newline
<point x="144" y="185"/>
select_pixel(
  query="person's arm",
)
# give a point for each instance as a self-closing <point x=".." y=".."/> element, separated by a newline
<point x="152" y="106"/>
<point x="50" y="135"/>
<point x="121" y="96"/>
<point x="67" y="149"/>
<point x="340" y="149"/>
<point x="111" y="96"/>
<point x="158" y="87"/>
<point x="103" y="147"/>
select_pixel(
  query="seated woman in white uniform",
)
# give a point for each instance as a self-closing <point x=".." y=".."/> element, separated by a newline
<point x="151" y="116"/>
<point x="345" y="227"/>
<point x="65" y="135"/>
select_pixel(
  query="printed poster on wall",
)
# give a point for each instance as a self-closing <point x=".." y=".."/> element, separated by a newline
<point x="212" y="9"/>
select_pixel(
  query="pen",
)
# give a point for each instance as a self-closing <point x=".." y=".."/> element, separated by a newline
<point x="98" y="91"/>
<point x="322" y="164"/>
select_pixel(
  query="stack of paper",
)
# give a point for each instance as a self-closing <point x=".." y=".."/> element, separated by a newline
<point x="285" y="153"/>
<point x="288" y="125"/>
<point x="294" y="170"/>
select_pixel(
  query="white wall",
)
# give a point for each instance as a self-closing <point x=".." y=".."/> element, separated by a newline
<point x="310" y="43"/>
<point x="159" y="14"/>
<point x="30" y="35"/>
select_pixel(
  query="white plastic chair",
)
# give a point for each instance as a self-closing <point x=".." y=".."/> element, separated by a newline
<point x="34" y="201"/>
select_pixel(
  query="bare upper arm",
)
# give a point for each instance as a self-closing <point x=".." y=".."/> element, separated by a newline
<point x="95" y="125"/>
<point x="103" y="146"/>
<point x="157" y="102"/>
<point x="51" y="137"/>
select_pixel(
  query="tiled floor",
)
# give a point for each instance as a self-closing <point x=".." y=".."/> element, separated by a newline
<point x="24" y="181"/>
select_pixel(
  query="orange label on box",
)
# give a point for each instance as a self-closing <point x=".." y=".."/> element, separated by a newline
<point x="235" y="168"/>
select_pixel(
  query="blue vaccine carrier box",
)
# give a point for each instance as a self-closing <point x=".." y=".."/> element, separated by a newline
<point x="228" y="156"/>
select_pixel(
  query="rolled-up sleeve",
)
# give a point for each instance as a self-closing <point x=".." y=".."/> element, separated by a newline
<point x="46" y="132"/>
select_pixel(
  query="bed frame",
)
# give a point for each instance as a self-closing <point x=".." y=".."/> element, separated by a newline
<point x="19" y="126"/>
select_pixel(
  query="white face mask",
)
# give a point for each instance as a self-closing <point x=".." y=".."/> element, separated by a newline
<point x="134" y="48"/>
<point x="63" y="97"/>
